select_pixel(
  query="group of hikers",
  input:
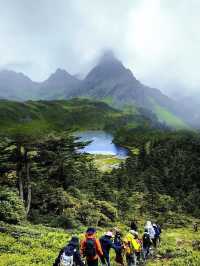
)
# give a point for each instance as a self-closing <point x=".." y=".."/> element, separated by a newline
<point x="130" y="248"/>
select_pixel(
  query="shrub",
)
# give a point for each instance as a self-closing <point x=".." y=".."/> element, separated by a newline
<point x="107" y="209"/>
<point x="11" y="206"/>
<point x="88" y="214"/>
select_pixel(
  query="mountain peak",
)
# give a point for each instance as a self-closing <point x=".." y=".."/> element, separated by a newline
<point x="60" y="76"/>
<point x="61" y="71"/>
<point x="5" y="73"/>
<point x="108" y="57"/>
<point x="109" y="68"/>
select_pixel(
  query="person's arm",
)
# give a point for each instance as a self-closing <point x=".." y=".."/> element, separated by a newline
<point x="99" y="251"/>
<point x="98" y="248"/>
<point x="115" y="247"/>
<point x="57" y="261"/>
<point x="82" y="247"/>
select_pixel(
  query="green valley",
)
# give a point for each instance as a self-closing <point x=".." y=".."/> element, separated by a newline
<point x="80" y="114"/>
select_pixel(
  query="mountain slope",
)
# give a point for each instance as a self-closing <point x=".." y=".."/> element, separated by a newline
<point x="16" y="86"/>
<point x="192" y="104"/>
<point x="109" y="81"/>
<point x="71" y="114"/>
<point x="60" y="85"/>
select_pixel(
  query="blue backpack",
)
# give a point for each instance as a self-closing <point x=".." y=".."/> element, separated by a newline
<point x="157" y="231"/>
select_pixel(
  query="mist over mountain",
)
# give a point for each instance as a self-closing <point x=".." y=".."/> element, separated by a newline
<point x="16" y="86"/>
<point x="109" y="81"/>
<point x="192" y="105"/>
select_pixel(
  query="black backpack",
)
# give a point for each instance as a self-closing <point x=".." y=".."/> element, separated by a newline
<point x="146" y="240"/>
<point x="90" y="248"/>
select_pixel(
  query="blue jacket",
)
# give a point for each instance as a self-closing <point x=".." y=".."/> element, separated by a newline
<point x="107" y="244"/>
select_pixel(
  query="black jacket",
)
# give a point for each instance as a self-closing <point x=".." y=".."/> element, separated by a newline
<point x="74" y="251"/>
<point x="146" y="240"/>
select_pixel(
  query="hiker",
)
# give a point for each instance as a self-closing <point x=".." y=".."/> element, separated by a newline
<point x="119" y="243"/>
<point x="139" y="249"/>
<point x="134" y="225"/>
<point x="131" y="248"/>
<point x="91" y="248"/>
<point x="106" y="245"/>
<point x="195" y="227"/>
<point x="69" y="255"/>
<point x="150" y="230"/>
<point x="157" y="230"/>
<point x="146" y="243"/>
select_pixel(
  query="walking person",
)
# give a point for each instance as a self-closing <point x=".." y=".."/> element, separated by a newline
<point x="106" y="245"/>
<point x="69" y="255"/>
<point x="146" y="243"/>
<point x="91" y="248"/>
<point x="157" y="230"/>
<point x="134" y="225"/>
<point x="119" y="243"/>
<point x="131" y="248"/>
<point x="195" y="227"/>
<point x="150" y="230"/>
<point x="139" y="249"/>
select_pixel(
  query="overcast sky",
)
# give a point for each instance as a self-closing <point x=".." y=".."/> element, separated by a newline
<point x="159" y="40"/>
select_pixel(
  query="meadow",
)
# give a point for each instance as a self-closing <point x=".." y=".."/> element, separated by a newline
<point x="39" y="245"/>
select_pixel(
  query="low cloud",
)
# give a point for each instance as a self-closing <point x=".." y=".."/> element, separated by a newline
<point x="159" y="40"/>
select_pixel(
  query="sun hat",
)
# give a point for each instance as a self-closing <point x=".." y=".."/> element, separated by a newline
<point x="109" y="233"/>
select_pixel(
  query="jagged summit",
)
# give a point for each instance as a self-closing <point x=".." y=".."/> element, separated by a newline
<point x="60" y="85"/>
<point x="109" y="67"/>
<point x="60" y="76"/>
<point x="108" y="56"/>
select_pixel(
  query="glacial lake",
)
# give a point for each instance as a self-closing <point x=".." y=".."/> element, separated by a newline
<point x="101" y="144"/>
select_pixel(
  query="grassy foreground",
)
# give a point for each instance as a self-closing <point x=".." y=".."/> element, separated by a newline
<point x="39" y="245"/>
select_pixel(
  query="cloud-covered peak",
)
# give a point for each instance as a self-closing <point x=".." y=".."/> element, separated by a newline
<point x="157" y="40"/>
<point x="108" y="56"/>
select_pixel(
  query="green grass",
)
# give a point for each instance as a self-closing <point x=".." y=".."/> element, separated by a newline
<point x="176" y="249"/>
<point x="108" y="100"/>
<point x="40" y="245"/>
<point x="170" y="119"/>
<point x="130" y="109"/>
<point x="80" y="114"/>
<point x="105" y="163"/>
<point x="37" y="246"/>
